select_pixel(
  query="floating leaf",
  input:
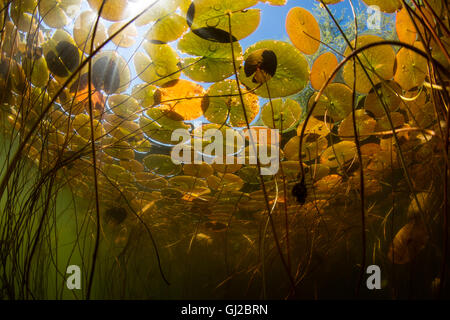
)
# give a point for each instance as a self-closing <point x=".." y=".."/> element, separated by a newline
<point x="216" y="62"/>
<point x="365" y="125"/>
<point x="113" y="10"/>
<point x="406" y="31"/>
<point x="81" y="123"/>
<point x="58" y="13"/>
<point x="312" y="147"/>
<point x="339" y="154"/>
<point x="118" y="149"/>
<point x="151" y="181"/>
<point x="316" y="126"/>
<point x="262" y="64"/>
<point x="390" y="95"/>
<point x="303" y="30"/>
<point x="124" y="106"/>
<point x="202" y="170"/>
<point x="36" y="70"/>
<point x="291" y="74"/>
<point x="126" y="37"/>
<point x="411" y="68"/>
<point x="335" y="102"/>
<point x="208" y="19"/>
<point x="110" y="72"/>
<point x="144" y="94"/>
<point x="182" y="97"/>
<point x="407" y="243"/>
<point x="225" y="182"/>
<point x="161" y="164"/>
<point x="378" y="62"/>
<point x="159" y="66"/>
<point x="282" y="115"/>
<point x="322" y="68"/>
<point x="161" y="125"/>
<point x="83" y="31"/>
<point x="222" y="104"/>
<point x="61" y="54"/>
<point x="22" y="14"/>
<point x="167" y="29"/>
<point x="157" y="11"/>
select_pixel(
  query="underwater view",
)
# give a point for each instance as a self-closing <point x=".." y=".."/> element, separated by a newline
<point x="224" y="149"/>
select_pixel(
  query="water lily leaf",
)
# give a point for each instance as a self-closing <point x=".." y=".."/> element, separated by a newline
<point x="83" y="30"/>
<point x="225" y="182"/>
<point x="118" y="149"/>
<point x="151" y="181"/>
<point x="36" y="70"/>
<point x="303" y="30"/>
<point x="124" y="106"/>
<point x="122" y="129"/>
<point x="110" y="72"/>
<point x="383" y="124"/>
<point x="158" y="66"/>
<point x="161" y="164"/>
<point x="411" y="68"/>
<point x="144" y="94"/>
<point x="157" y="11"/>
<point x="378" y="62"/>
<point x="407" y="243"/>
<point x="61" y="54"/>
<point x="113" y="10"/>
<point x="182" y="97"/>
<point x="365" y="125"/>
<point x="216" y="62"/>
<point x="312" y="147"/>
<point x="126" y="38"/>
<point x="58" y="13"/>
<point x="222" y="104"/>
<point x="316" y="126"/>
<point x="335" y="102"/>
<point x="202" y="170"/>
<point x="291" y="74"/>
<point x="261" y="64"/>
<point x="339" y="154"/>
<point x="81" y="124"/>
<point x="389" y="93"/>
<point x="282" y="115"/>
<point x="22" y="14"/>
<point x="405" y="28"/>
<point x="190" y="184"/>
<point x="161" y="125"/>
<point x="167" y="29"/>
<point x="208" y="19"/>
<point x="132" y="165"/>
<point x="322" y="68"/>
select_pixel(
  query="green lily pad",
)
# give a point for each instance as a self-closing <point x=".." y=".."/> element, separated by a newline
<point x="292" y="72"/>
<point x="161" y="164"/>
<point x="222" y="104"/>
<point x="158" y="66"/>
<point x="281" y="114"/>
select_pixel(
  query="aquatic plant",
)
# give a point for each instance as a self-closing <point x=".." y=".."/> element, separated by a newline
<point x="91" y="92"/>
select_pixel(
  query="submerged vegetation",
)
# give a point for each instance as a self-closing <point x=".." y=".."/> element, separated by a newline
<point x="91" y="91"/>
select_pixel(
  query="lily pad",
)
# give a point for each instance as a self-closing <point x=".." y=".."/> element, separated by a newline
<point x="378" y="61"/>
<point x="161" y="164"/>
<point x="303" y="30"/>
<point x="281" y="114"/>
<point x="292" y="73"/>
<point x="222" y="104"/>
